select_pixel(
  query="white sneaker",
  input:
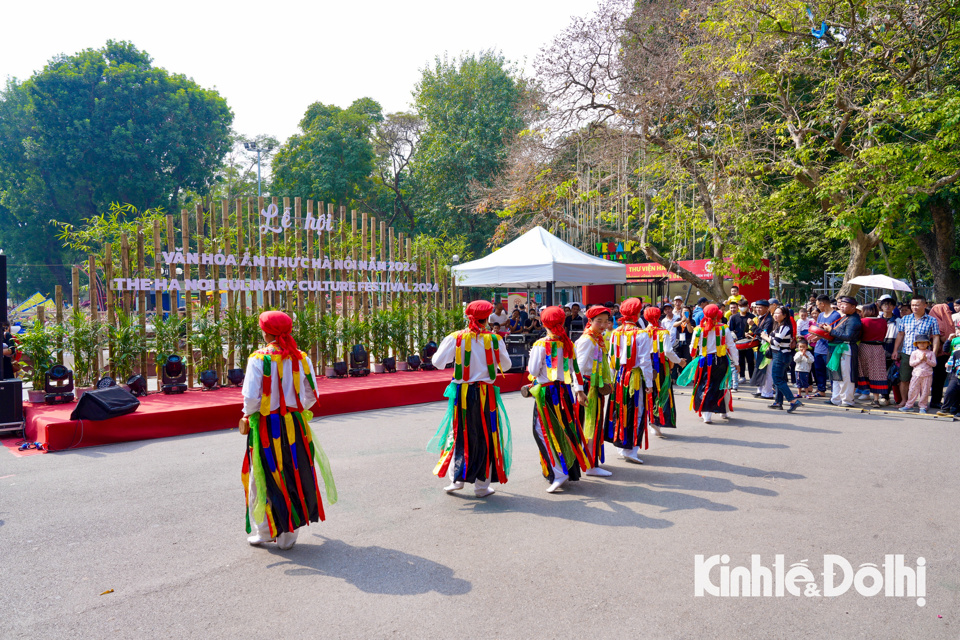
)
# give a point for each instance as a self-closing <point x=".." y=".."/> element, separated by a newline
<point x="255" y="540"/>
<point x="707" y="418"/>
<point x="286" y="541"/>
<point x="557" y="483"/>
<point x="483" y="493"/>
<point x="630" y="456"/>
<point x="597" y="471"/>
<point x="453" y="486"/>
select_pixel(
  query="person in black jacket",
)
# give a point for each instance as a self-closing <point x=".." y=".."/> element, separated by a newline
<point x="763" y="374"/>
<point x="843" y="366"/>
<point x="740" y="326"/>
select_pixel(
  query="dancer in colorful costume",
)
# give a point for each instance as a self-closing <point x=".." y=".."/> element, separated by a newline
<point x="661" y="407"/>
<point x="712" y="370"/>
<point x="473" y="441"/>
<point x="592" y="363"/>
<point x="282" y="488"/>
<point x="629" y="353"/>
<point x="557" y="392"/>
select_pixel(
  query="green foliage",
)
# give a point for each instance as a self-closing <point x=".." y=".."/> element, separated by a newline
<point x="85" y="340"/>
<point x="39" y="345"/>
<point x="126" y="345"/>
<point x="470" y="109"/>
<point x="328" y="337"/>
<point x="398" y="331"/>
<point x="93" y="128"/>
<point x="207" y="338"/>
<point x="96" y="232"/>
<point x="168" y="336"/>
<point x="333" y="158"/>
<point x="243" y="330"/>
<point x="305" y="327"/>
<point x="380" y="335"/>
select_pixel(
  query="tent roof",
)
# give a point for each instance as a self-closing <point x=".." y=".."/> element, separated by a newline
<point x="535" y="258"/>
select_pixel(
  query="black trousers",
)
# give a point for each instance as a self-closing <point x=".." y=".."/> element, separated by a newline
<point x="747" y="362"/>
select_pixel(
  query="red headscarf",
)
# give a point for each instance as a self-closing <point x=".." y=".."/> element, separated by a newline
<point x="477" y="313"/>
<point x="711" y="313"/>
<point x="630" y="309"/>
<point x="652" y="315"/>
<point x="552" y="318"/>
<point x="593" y="312"/>
<point x="279" y="324"/>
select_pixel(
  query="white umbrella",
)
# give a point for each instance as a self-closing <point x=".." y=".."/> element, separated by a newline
<point x="879" y="281"/>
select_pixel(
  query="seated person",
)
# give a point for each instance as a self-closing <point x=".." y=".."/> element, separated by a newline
<point x="515" y="325"/>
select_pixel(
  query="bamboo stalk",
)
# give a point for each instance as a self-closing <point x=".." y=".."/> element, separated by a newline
<point x="126" y="296"/>
<point x="94" y="311"/>
<point x="75" y="289"/>
<point x="111" y="303"/>
<point x="364" y="255"/>
<point x="58" y="296"/>
<point x="142" y="299"/>
<point x="231" y="298"/>
<point x="188" y="307"/>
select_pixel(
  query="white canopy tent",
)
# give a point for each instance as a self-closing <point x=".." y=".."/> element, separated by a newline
<point x="539" y="258"/>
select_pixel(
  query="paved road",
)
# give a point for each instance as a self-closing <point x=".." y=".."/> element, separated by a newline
<point x="161" y="524"/>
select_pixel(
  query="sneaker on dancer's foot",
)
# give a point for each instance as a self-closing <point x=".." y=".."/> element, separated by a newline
<point x="707" y="418"/>
<point x="557" y="483"/>
<point x="631" y="455"/>
<point x="483" y="493"/>
<point x="597" y="471"/>
<point x="286" y="540"/>
<point x="255" y="540"/>
<point x="453" y="486"/>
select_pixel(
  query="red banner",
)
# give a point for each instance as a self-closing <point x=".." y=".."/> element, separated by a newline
<point x="701" y="268"/>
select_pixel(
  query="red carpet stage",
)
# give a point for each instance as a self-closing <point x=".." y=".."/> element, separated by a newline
<point x="159" y="416"/>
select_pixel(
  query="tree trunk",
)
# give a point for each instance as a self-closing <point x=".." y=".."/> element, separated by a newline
<point x="860" y="247"/>
<point x="939" y="247"/>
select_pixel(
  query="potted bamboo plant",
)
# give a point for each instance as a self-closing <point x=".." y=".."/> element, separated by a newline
<point x="379" y="339"/>
<point x="167" y="336"/>
<point x="328" y="334"/>
<point x="243" y="330"/>
<point x="208" y="341"/>
<point x="37" y="345"/>
<point x="85" y="340"/>
<point x="126" y="346"/>
<point x="398" y="332"/>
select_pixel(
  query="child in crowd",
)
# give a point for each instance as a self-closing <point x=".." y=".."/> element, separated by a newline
<point x="803" y="324"/>
<point x="922" y="360"/>
<point x="804" y="362"/>
<point x="951" y="399"/>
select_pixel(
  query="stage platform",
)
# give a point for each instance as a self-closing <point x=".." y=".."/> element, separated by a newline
<point x="196" y="411"/>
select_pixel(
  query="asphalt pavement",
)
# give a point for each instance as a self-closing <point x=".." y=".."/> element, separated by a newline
<point x="146" y="539"/>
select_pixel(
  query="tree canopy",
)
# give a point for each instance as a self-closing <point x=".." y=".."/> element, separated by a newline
<point x="98" y="127"/>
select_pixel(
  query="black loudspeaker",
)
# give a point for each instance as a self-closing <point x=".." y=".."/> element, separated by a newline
<point x="102" y="404"/>
<point x="516" y="345"/>
<point x="518" y="362"/>
<point x="11" y="404"/>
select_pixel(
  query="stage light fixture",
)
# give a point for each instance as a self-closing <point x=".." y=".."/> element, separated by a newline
<point x="138" y="385"/>
<point x="209" y="379"/>
<point x="359" y="361"/>
<point x="427" y="354"/>
<point x="390" y="365"/>
<point x="58" y="385"/>
<point x="174" y="375"/>
<point x="413" y="363"/>
<point x="340" y="370"/>
<point x="106" y="382"/>
<point x="235" y="377"/>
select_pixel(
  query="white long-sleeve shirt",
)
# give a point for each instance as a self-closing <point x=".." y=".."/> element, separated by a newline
<point x="668" y="349"/>
<point x="253" y="385"/>
<point x="537" y="367"/>
<point x="447" y="352"/>
<point x="588" y="352"/>
<point x="709" y="343"/>
<point x="641" y="359"/>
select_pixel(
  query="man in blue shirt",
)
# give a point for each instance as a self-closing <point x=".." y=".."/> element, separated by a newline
<point x="821" y="352"/>
<point x="698" y="311"/>
<point x="908" y="328"/>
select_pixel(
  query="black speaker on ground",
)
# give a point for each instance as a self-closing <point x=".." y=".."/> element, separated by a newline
<point x="103" y="404"/>
<point x="516" y="345"/>
<point x="518" y="362"/>
<point x="11" y="404"/>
